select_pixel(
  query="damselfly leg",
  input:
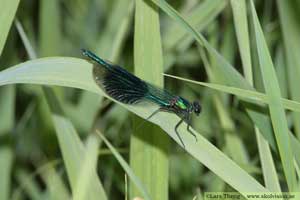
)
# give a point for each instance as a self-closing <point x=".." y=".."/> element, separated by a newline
<point x="186" y="118"/>
<point x="176" y="127"/>
<point x="189" y="121"/>
<point x="154" y="113"/>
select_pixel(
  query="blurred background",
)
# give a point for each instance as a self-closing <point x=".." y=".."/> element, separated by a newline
<point x="29" y="149"/>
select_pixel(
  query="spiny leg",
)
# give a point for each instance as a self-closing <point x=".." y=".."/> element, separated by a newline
<point x="155" y="112"/>
<point x="177" y="125"/>
<point x="188" y="127"/>
<point x="161" y="109"/>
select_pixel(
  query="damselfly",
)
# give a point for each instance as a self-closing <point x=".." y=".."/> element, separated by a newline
<point x="129" y="89"/>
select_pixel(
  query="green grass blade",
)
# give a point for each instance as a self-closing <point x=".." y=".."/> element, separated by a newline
<point x="236" y="150"/>
<point x="77" y="73"/>
<point x="267" y="163"/>
<point x="247" y="95"/>
<point x="7" y="106"/>
<point x="178" y="18"/>
<point x="88" y="106"/>
<point x="149" y="145"/>
<point x="72" y="149"/>
<point x="281" y="71"/>
<point x="199" y="17"/>
<point x="228" y="46"/>
<point x="49" y="28"/>
<point x="7" y="14"/>
<point x="290" y="27"/>
<point x="234" y="145"/>
<point x="29" y="185"/>
<point x="227" y="74"/>
<point x="57" y="189"/>
<point x="275" y="105"/>
<point x="242" y="33"/>
<point x="268" y="168"/>
<point x="6" y="161"/>
<point x="122" y="32"/>
<point x="88" y="103"/>
<point x="137" y="182"/>
<point x="25" y="40"/>
<point x="55" y="106"/>
<point x="109" y="46"/>
<point x="42" y="106"/>
<point x="108" y="41"/>
<point x="7" y="94"/>
<point x="88" y="169"/>
<point x="56" y="68"/>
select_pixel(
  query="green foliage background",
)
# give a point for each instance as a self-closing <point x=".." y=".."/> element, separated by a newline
<point x="61" y="137"/>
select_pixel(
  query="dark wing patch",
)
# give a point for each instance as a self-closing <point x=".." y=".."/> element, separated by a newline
<point x="120" y="84"/>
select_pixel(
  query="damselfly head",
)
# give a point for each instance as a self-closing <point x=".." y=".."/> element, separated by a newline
<point x="196" y="107"/>
<point x="84" y="52"/>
